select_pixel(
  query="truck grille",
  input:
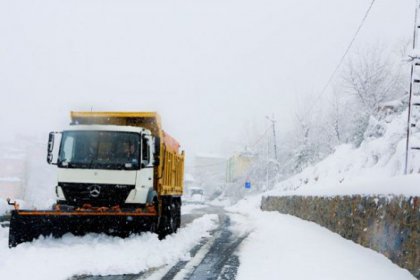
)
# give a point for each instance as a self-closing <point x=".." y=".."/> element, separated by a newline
<point x="97" y="195"/>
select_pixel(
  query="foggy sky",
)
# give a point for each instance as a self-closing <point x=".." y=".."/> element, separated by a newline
<point x="208" y="67"/>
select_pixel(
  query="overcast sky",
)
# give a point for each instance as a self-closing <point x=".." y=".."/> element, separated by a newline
<point x="208" y="67"/>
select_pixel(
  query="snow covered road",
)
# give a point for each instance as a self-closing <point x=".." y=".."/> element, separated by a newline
<point x="241" y="242"/>
<point x="214" y="257"/>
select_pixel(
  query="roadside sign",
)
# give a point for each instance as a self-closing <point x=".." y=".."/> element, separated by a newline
<point x="247" y="185"/>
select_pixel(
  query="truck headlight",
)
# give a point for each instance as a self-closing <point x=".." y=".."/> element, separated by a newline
<point x="59" y="193"/>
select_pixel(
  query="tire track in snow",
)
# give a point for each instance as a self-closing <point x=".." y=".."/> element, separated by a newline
<point x="213" y="258"/>
<point x="221" y="262"/>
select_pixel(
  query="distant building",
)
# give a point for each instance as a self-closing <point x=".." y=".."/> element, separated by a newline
<point x="210" y="171"/>
<point x="238" y="166"/>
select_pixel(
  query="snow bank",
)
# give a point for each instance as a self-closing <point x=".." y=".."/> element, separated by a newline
<point x="10" y="179"/>
<point x="48" y="258"/>
<point x="189" y="208"/>
<point x="221" y="201"/>
<point x="6" y="208"/>
<point x="284" y="247"/>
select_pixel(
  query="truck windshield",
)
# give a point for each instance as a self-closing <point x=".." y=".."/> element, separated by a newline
<point x="99" y="150"/>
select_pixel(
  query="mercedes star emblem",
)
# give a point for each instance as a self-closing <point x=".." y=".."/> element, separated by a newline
<point x="94" y="190"/>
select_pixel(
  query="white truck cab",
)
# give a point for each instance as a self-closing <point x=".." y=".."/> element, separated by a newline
<point x="105" y="165"/>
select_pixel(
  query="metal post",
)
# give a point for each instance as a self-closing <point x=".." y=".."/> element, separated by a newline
<point x="407" y="144"/>
<point x="407" y="147"/>
<point x="274" y="139"/>
<point x="273" y="124"/>
<point x="267" y="165"/>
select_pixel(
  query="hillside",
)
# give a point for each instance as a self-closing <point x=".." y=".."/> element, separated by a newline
<point x="354" y="169"/>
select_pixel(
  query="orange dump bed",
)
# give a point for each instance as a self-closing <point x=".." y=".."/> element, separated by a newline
<point x="170" y="142"/>
<point x="170" y="172"/>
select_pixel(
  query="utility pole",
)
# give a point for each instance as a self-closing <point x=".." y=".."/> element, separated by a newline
<point x="267" y="167"/>
<point x="273" y="124"/>
<point x="414" y="63"/>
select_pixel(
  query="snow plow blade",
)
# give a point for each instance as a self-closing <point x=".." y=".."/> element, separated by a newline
<point x="26" y="225"/>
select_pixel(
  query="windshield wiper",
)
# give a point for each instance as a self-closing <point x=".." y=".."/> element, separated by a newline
<point x="91" y="163"/>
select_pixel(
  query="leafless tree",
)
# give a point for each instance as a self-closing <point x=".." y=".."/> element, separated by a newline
<point x="372" y="78"/>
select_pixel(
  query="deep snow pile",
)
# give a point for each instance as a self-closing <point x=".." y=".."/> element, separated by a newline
<point x="48" y="258"/>
<point x="28" y="166"/>
<point x="6" y="208"/>
<point x="355" y="170"/>
<point x="284" y="247"/>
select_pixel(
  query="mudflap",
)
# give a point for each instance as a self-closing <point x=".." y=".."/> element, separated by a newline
<point x="25" y="227"/>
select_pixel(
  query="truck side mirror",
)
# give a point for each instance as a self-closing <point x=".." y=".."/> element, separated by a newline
<point x="156" y="155"/>
<point x="51" y="137"/>
<point x="145" y="155"/>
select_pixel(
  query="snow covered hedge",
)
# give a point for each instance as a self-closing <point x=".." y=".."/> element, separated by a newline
<point x="387" y="224"/>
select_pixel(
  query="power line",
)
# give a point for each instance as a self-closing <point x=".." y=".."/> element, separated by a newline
<point x="261" y="138"/>
<point x="343" y="57"/>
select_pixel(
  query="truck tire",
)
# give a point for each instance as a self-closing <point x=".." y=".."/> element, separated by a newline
<point x="167" y="223"/>
<point x="178" y="214"/>
<point x="155" y="223"/>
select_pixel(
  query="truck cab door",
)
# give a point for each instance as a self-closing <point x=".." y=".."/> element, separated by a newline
<point x="144" y="181"/>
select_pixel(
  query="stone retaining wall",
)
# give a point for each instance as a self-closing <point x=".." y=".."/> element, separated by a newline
<point x="387" y="224"/>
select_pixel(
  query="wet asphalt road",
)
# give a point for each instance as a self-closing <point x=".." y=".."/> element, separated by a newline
<point x="220" y="262"/>
<point x="212" y="258"/>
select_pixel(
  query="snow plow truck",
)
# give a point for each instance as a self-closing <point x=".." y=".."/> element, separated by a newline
<point x="119" y="173"/>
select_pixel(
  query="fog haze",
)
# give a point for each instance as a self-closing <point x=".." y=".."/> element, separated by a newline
<point x="208" y="67"/>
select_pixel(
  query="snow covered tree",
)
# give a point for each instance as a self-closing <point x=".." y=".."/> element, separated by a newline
<point x="372" y="78"/>
<point x="312" y="136"/>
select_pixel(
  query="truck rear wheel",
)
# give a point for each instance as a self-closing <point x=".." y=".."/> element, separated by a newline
<point x="168" y="223"/>
<point x="178" y="214"/>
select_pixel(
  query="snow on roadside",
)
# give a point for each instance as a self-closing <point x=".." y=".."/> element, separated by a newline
<point x="285" y="247"/>
<point x="400" y="185"/>
<point x="48" y="258"/>
<point x="221" y="202"/>
<point x="5" y="208"/>
<point x="187" y="208"/>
